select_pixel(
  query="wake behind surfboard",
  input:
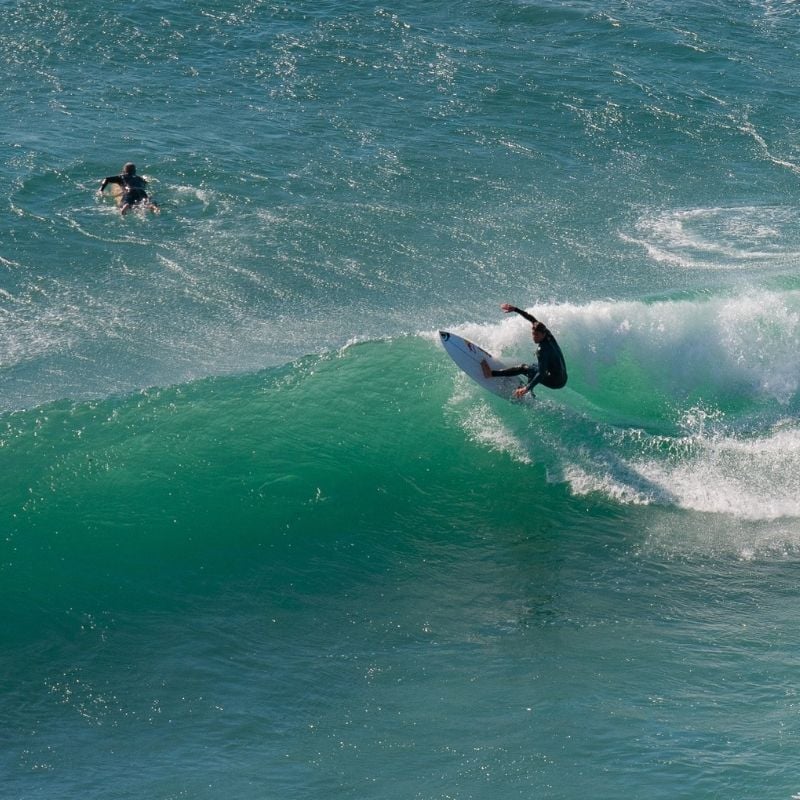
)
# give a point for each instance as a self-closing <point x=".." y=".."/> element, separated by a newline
<point x="468" y="357"/>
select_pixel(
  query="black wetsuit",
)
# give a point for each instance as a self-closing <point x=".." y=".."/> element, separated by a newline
<point x="133" y="188"/>
<point x="550" y="371"/>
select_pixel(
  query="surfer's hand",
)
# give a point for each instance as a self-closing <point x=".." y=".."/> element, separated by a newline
<point x="519" y="393"/>
<point x="507" y="307"/>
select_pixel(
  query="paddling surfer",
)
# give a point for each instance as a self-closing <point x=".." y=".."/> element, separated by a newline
<point x="549" y="370"/>
<point x="134" y="192"/>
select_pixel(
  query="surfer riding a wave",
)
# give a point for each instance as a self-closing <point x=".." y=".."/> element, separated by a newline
<point x="133" y="189"/>
<point x="550" y="369"/>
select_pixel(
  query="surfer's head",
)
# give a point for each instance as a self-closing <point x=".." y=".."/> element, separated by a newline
<point x="129" y="168"/>
<point x="539" y="332"/>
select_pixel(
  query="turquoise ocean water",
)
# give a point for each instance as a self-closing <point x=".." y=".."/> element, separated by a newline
<point x="260" y="539"/>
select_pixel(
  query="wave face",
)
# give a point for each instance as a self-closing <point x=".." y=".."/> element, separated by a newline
<point x="260" y="537"/>
<point x="689" y="405"/>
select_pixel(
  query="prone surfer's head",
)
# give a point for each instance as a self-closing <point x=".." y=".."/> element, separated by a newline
<point x="129" y="168"/>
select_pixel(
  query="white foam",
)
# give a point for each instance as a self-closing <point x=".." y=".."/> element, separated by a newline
<point x="715" y="238"/>
<point x="734" y="346"/>
<point x="483" y="425"/>
<point x="754" y="478"/>
<point x="487" y="429"/>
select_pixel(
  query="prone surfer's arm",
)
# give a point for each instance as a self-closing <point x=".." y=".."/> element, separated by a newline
<point x="109" y="179"/>
<point x="508" y="308"/>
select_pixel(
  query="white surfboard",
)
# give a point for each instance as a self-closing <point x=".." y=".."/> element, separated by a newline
<point x="468" y="357"/>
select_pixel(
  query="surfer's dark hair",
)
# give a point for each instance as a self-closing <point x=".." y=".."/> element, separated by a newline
<point x="129" y="168"/>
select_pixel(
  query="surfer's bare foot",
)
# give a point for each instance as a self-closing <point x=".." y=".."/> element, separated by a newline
<point x="486" y="369"/>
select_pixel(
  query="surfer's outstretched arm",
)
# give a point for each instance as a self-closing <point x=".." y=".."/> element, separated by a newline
<point x="110" y="179"/>
<point x="508" y="308"/>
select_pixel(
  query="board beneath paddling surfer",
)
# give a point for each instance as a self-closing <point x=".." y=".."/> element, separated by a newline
<point x="132" y="190"/>
<point x="550" y="369"/>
